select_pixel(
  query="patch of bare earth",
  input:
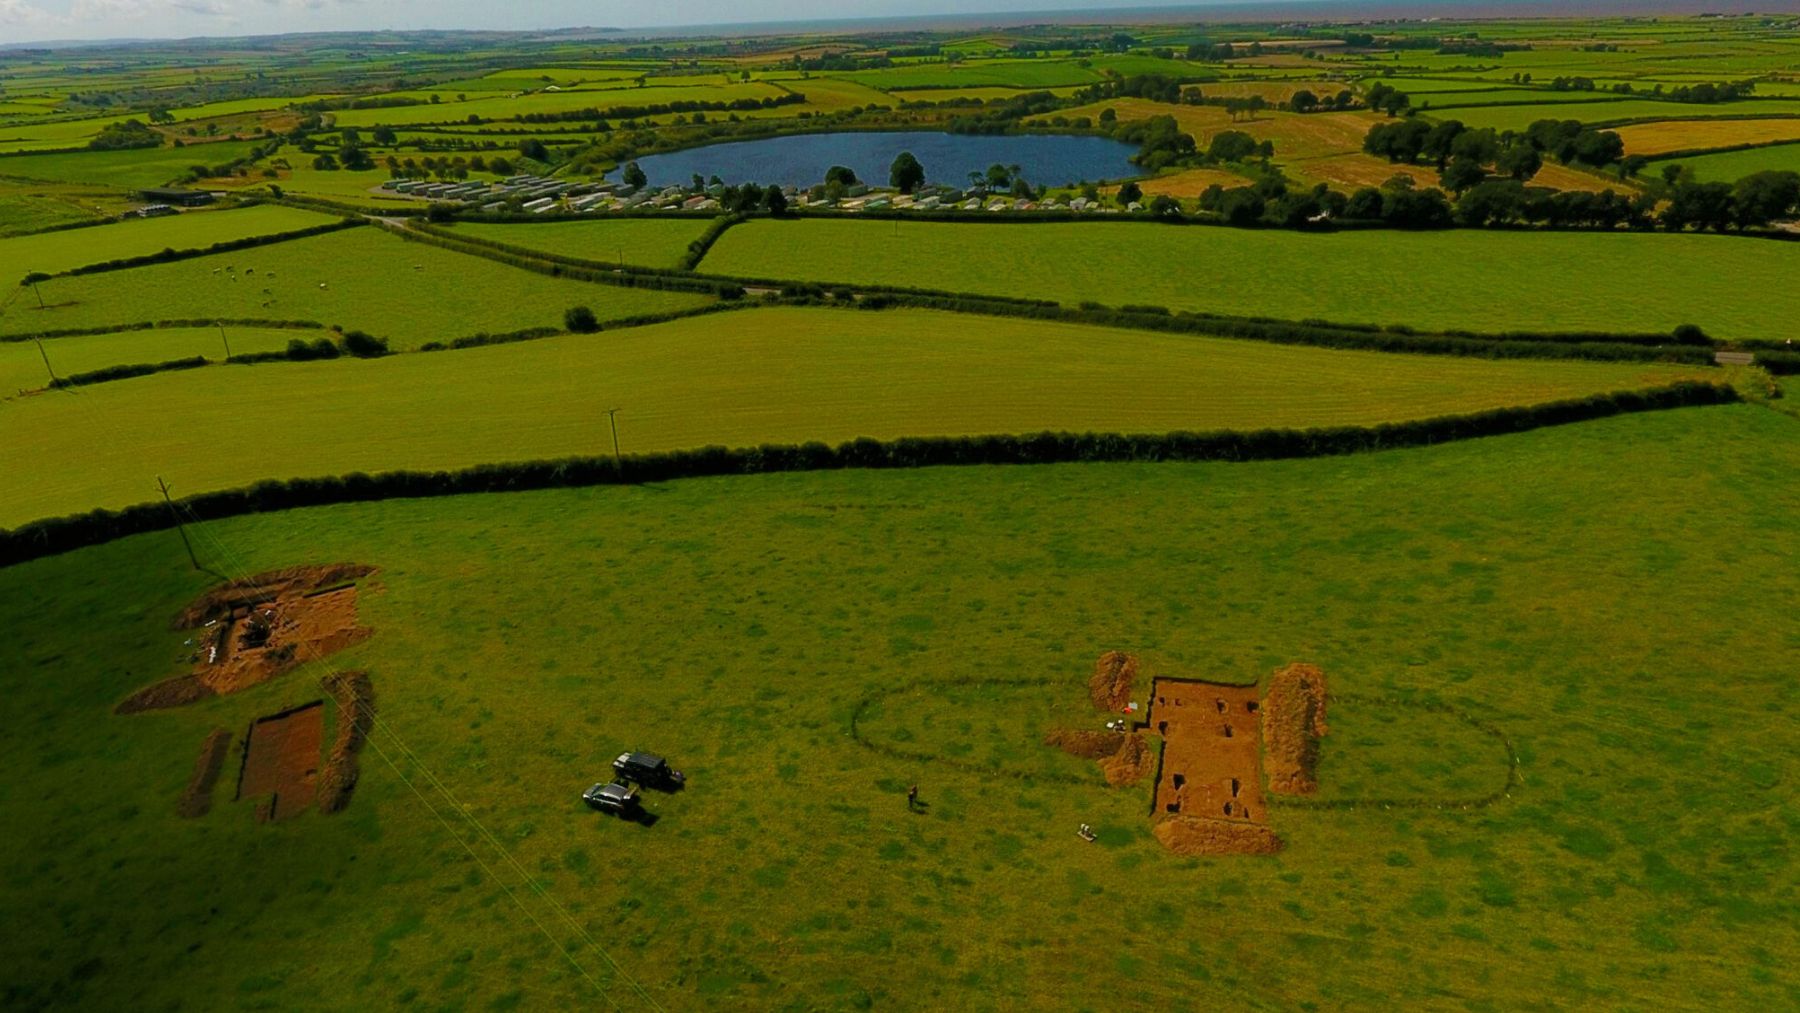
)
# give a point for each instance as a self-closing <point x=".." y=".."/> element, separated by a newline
<point x="281" y="761"/>
<point x="256" y="629"/>
<point x="354" y="695"/>
<point x="196" y="798"/>
<point x="1110" y="685"/>
<point x="1293" y="723"/>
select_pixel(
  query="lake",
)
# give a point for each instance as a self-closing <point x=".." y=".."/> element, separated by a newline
<point x="802" y="159"/>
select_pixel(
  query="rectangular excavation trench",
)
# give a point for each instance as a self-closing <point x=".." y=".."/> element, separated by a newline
<point x="281" y="760"/>
<point x="1211" y="760"/>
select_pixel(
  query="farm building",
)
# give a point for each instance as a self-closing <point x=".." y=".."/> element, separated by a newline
<point x="176" y="196"/>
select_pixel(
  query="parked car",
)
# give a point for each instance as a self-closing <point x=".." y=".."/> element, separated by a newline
<point x="648" y="769"/>
<point x="618" y="799"/>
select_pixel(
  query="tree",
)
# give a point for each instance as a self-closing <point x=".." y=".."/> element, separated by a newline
<point x="1364" y="204"/>
<point x="1462" y="174"/>
<point x="581" y="320"/>
<point x="534" y="149"/>
<point x="1241" y="206"/>
<point x="1494" y="202"/>
<point x="439" y="211"/>
<point x="1701" y="206"/>
<point x="364" y="345"/>
<point x="1165" y="206"/>
<point x="1763" y="197"/>
<point x="998" y="177"/>
<point x="385" y="135"/>
<point x="1231" y="146"/>
<point x="1304" y="101"/>
<point x="632" y="176"/>
<point x="1520" y="161"/>
<point x="1129" y="194"/>
<point x="906" y="174"/>
<point x="775" y="201"/>
<point x="841" y="174"/>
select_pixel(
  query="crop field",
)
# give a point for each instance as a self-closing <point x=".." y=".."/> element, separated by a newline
<point x="22" y="365"/>
<point x="652" y="242"/>
<point x="510" y="107"/>
<point x="749" y="377"/>
<point x="406" y="292"/>
<point x="1028" y="74"/>
<point x="977" y="93"/>
<point x="1726" y="166"/>
<point x="52" y="252"/>
<point x="1688" y="135"/>
<point x="956" y="610"/>
<point x="1295" y="136"/>
<point x="1629" y="282"/>
<point x="1188" y="183"/>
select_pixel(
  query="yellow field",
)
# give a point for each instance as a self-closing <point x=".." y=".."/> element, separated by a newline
<point x="1352" y="172"/>
<point x="1685" y="135"/>
<point x="1314" y="135"/>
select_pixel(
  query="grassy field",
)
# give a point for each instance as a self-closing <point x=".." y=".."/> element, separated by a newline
<point x="1616" y="597"/>
<point x="509" y="107"/>
<point x="130" y="168"/>
<point x="52" y="252"/>
<point x="363" y="278"/>
<point x="1520" y="117"/>
<point x="1430" y="280"/>
<point x="1730" y="166"/>
<point x="652" y="242"/>
<point x="22" y="367"/>
<point x="754" y="376"/>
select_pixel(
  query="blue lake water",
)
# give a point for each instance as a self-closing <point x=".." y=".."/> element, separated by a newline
<point x="801" y="159"/>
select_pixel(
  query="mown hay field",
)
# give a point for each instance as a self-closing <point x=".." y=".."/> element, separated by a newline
<point x="361" y="278"/>
<point x="649" y="242"/>
<point x="1730" y="166"/>
<point x="51" y="252"/>
<point x="736" y="625"/>
<point x="1694" y="135"/>
<point x="1294" y="135"/>
<point x="1442" y="280"/>
<point x="785" y="375"/>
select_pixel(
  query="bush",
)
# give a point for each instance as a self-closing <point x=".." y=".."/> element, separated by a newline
<point x="364" y="345"/>
<point x="581" y="320"/>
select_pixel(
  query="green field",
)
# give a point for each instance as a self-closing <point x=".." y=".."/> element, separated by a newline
<point x="1629" y="282"/>
<point x="756" y="376"/>
<point x="1730" y="166"/>
<point x="22" y="365"/>
<point x="52" y="252"/>
<point x="1606" y="111"/>
<point x="362" y="278"/>
<point x="652" y="242"/>
<point x="1617" y="597"/>
<point x="132" y="168"/>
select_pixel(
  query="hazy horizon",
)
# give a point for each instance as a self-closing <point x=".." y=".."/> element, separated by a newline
<point x="41" y="21"/>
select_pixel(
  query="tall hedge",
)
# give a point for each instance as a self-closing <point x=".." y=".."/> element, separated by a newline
<point x="48" y="537"/>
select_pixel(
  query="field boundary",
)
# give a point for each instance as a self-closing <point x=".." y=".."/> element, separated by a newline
<point x="52" y="536"/>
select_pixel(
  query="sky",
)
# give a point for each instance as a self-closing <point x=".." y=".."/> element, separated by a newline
<point x="37" y="20"/>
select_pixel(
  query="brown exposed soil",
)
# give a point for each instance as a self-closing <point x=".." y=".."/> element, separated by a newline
<point x="1210" y="763"/>
<point x="355" y="698"/>
<point x="1293" y="723"/>
<point x="196" y="799"/>
<point x="256" y="629"/>
<point x="1133" y="762"/>
<point x="281" y="761"/>
<point x="1195" y="835"/>
<point x="1110" y="685"/>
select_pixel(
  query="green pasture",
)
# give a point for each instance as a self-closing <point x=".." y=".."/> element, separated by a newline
<point x="1606" y="111"/>
<point x="782" y="375"/>
<point x="511" y="107"/>
<point x="1441" y="280"/>
<point x="22" y="364"/>
<point x="651" y="242"/>
<point x="365" y="278"/>
<point x="52" y="252"/>
<point x="1504" y="97"/>
<point x="989" y="73"/>
<point x="1615" y="597"/>
<point x="23" y="211"/>
<point x="1730" y="166"/>
<point x="132" y="168"/>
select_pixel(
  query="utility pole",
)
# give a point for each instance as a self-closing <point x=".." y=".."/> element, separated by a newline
<point x="226" y="340"/>
<point x="164" y="486"/>
<point x="612" y="415"/>
<point x="46" y="355"/>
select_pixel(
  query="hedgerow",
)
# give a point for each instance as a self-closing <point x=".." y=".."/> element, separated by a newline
<point x="48" y="537"/>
